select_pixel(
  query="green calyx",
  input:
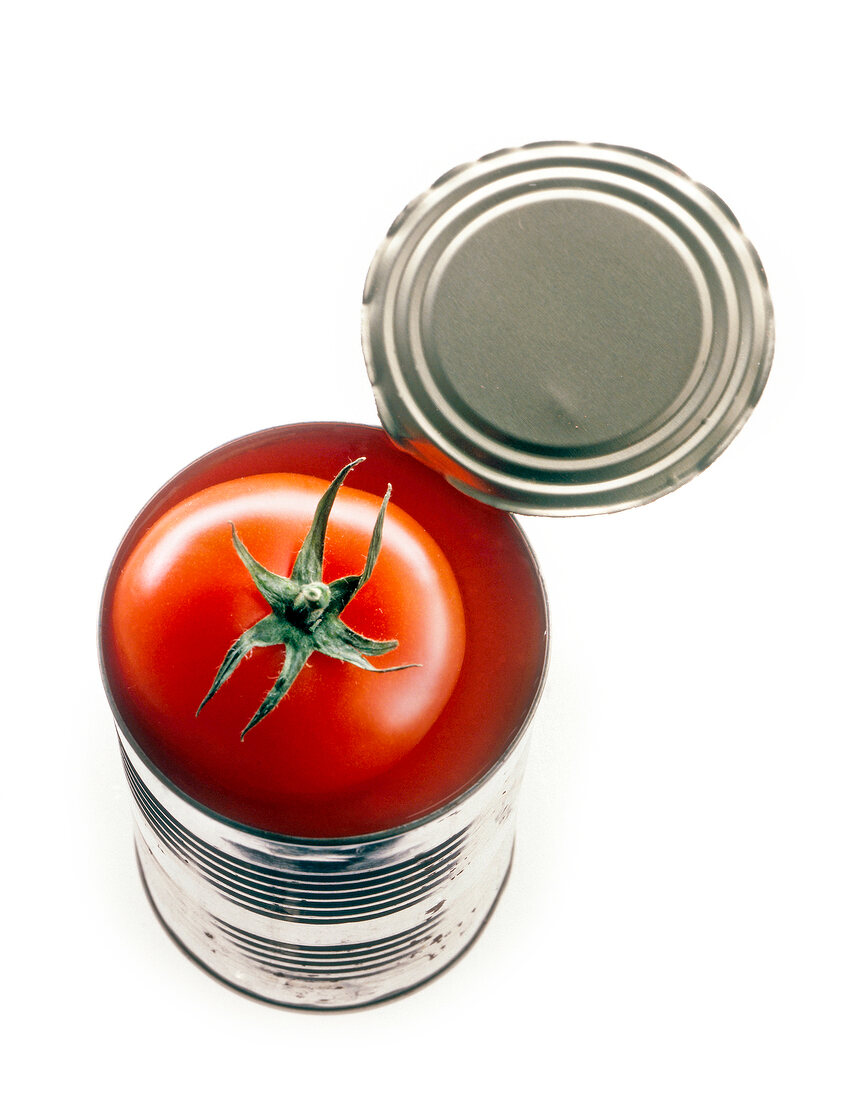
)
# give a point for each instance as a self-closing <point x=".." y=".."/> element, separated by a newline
<point x="305" y="612"/>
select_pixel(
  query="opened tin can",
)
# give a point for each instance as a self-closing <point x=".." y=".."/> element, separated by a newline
<point x="559" y="329"/>
<point x="363" y="893"/>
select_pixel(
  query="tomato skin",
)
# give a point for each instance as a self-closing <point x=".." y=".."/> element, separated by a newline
<point x="183" y="596"/>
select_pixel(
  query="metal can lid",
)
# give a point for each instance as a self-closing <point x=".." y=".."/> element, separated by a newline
<point x="566" y="329"/>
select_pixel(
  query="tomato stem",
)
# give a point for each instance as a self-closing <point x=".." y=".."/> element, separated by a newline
<point x="305" y="611"/>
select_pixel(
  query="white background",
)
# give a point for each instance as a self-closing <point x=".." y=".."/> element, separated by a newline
<point x="191" y="194"/>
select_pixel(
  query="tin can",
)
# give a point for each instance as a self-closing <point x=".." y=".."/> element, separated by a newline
<point x="344" y="920"/>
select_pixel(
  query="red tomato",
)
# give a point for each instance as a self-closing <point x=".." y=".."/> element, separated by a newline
<point x="504" y="612"/>
<point x="184" y="596"/>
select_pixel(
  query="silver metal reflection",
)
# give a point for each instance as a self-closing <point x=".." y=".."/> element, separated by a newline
<point x="324" y="924"/>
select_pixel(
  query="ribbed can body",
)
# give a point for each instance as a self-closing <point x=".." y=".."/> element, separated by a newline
<point x="324" y="924"/>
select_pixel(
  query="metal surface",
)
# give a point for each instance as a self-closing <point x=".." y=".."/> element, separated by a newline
<point x="566" y="329"/>
<point x="324" y="924"/>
